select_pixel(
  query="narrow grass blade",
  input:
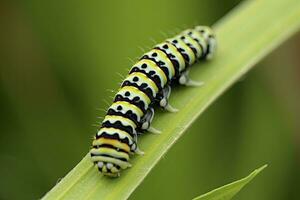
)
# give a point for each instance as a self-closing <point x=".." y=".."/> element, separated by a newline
<point x="245" y="36"/>
<point x="228" y="191"/>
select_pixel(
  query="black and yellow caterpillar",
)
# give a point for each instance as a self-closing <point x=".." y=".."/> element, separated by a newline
<point x="148" y="83"/>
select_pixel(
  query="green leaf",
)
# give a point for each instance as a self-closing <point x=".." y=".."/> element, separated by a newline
<point x="247" y="34"/>
<point x="226" y="192"/>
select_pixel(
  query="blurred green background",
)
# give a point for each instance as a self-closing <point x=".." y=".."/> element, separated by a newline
<point x="57" y="60"/>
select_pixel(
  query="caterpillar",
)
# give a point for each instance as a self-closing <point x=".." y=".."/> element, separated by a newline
<point x="148" y="84"/>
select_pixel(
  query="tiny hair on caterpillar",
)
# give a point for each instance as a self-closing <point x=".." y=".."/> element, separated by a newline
<point x="148" y="84"/>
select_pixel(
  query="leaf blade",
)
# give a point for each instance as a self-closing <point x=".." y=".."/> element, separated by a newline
<point x="228" y="191"/>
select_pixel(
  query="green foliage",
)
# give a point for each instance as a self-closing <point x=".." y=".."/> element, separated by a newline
<point x="228" y="191"/>
<point x="240" y="48"/>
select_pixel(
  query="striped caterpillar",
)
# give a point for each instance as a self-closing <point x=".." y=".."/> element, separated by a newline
<point x="148" y="84"/>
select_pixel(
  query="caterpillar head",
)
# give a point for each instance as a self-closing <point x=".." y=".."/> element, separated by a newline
<point x="110" y="152"/>
<point x="109" y="169"/>
<point x="210" y="38"/>
<point x="109" y="165"/>
<point x="109" y="161"/>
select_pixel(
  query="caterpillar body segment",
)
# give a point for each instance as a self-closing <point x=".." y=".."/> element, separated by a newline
<point x="148" y="84"/>
<point x="162" y="61"/>
<point x="175" y="57"/>
<point x="210" y="40"/>
<point x="152" y="71"/>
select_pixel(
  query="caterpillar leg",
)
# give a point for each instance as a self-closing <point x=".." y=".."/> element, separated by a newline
<point x="146" y="121"/>
<point x="151" y="129"/>
<point x="138" y="151"/>
<point x="135" y="148"/>
<point x="184" y="79"/>
<point x="164" y="102"/>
